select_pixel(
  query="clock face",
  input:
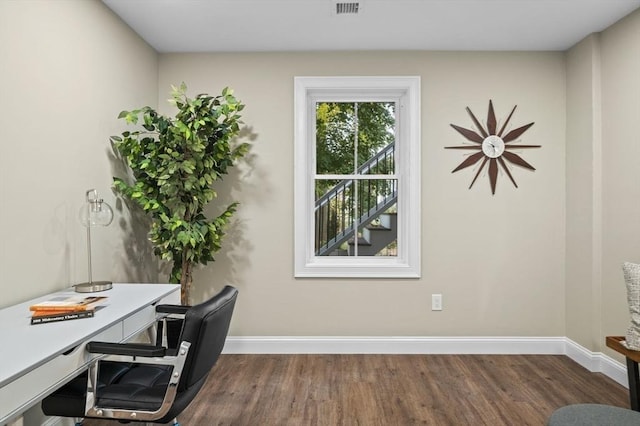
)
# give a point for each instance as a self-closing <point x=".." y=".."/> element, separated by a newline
<point x="493" y="146"/>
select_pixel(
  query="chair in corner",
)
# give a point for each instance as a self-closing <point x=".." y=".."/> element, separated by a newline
<point x="149" y="382"/>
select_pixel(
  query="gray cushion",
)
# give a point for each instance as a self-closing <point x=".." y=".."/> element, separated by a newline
<point x="594" y="415"/>
<point x="632" y="280"/>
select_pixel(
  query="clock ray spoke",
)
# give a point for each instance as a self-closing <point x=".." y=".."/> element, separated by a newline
<point x="483" y="132"/>
<point x="504" y="126"/>
<point x="493" y="174"/>
<point x="469" y="161"/>
<point x="491" y="119"/>
<point x="514" y="134"/>
<point x="476" y="147"/>
<point x="506" y="169"/>
<point x="521" y="146"/>
<point x="517" y="160"/>
<point x="478" y="172"/>
<point x="468" y="134"/>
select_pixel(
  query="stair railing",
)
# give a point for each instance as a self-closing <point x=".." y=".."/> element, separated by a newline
<point x="335" y="220"/>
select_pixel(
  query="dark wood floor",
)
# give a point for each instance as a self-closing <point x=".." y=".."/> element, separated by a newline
<point x="252" y="390"/>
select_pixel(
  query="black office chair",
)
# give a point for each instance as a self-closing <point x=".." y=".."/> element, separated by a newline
<point x="150" y="382"/>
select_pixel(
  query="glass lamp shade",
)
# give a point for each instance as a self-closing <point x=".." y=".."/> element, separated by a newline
<point x="94" y="213"/>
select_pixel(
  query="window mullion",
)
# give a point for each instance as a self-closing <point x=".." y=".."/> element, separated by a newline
<point x="356" y="216"/>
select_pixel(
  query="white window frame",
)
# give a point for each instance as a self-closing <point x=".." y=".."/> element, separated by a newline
<point x="405" y="90"/>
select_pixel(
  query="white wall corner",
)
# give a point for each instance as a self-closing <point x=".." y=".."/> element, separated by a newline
<point x="597" y="362"/>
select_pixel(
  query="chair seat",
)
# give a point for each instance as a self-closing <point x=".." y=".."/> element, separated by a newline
<point x="123" y="386"/>
<point x="594" y="415"/>
<point x="142" y="387"/>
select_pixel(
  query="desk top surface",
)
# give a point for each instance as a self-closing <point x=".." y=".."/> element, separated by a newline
<point x="27" y="346"/>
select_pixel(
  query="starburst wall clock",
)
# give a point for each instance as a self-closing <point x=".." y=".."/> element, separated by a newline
<point x="493" y="148"/>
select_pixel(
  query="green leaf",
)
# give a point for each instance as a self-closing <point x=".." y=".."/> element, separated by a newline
<point x="183" y="237"/>
<point x="172" y="164"/>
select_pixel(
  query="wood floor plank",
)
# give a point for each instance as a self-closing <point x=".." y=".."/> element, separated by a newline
<point x="371" y="390"/>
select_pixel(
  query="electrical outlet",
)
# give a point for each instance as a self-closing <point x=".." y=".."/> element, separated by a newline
<point x="436" y="302"/>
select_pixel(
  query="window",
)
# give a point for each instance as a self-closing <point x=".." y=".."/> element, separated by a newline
<point x="357" y="177"/>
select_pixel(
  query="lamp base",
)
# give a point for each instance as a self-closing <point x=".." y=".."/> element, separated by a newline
<point x="93" y="286"/>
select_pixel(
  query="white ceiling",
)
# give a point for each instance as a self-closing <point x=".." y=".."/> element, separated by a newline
<point x="295" y="25"/>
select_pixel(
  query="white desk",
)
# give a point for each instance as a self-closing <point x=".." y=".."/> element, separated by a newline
<point x="37" y="359"/>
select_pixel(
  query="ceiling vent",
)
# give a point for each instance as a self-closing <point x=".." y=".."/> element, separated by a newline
<point x="347" y="8"/>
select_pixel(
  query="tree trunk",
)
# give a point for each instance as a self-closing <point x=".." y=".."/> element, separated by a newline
<point x="185" y="280"/>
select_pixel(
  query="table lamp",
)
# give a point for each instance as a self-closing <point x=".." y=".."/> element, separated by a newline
<point x="94" y="213"/>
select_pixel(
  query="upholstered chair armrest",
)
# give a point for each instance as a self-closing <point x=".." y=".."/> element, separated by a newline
<point x="126" y="349"/>
<point x="172" y="309"/>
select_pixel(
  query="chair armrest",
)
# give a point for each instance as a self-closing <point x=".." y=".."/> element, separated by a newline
<point x="176" y="362"/>
<point x="172" y="309"/>
<point x="126" y="349"/>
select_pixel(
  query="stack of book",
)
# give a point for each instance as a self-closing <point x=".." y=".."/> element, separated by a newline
<point x="64" y="308"/>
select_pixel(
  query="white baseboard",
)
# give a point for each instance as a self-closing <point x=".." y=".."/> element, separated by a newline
<point x="394" y="345"/>
<point x="592" y="361"/>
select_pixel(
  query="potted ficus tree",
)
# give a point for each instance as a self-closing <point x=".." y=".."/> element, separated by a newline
<point x="173" y="162"/>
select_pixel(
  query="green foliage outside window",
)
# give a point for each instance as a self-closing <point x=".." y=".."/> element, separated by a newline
<point x="352" y="138"/>
<point x="336" y="124"/>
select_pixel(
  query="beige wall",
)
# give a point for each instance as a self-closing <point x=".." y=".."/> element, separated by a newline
<point x="603" y="194"/>
<point x="620" y="167"/>
<point x="497" y="260"/>
<point x="584" y="206"/>
<point x="68" y="68"/>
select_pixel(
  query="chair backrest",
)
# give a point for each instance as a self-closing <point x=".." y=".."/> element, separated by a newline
<point x="206" y="326"/>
